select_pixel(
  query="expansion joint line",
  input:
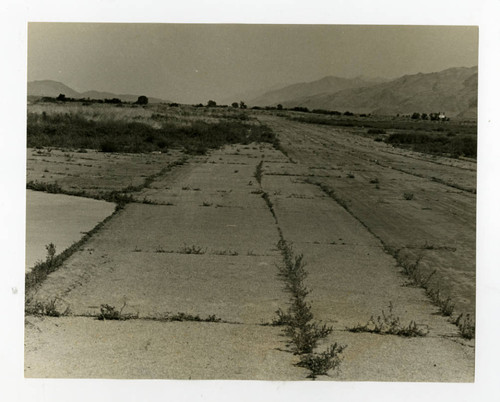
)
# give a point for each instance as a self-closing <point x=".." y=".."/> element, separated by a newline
<point x="303" y="332"/>
<point x="411" y="270"/>
<point x="53" y="262"/>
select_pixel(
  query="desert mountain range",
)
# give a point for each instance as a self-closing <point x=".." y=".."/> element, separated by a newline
<point x="452" y="91"/>
<point x="54" y="88"/>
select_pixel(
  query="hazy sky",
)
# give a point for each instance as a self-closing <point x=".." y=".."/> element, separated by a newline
<point x="192" y="63"/>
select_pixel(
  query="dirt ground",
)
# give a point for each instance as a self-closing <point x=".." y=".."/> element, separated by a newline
<point x="209" y="248"/>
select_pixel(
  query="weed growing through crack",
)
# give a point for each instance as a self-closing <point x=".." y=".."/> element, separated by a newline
<point x="191" y="249"/>
<point x="389" y="324"/>
<point x="51" y="252"/>
<point x="321" y="363"/>
<point x="269" y="204"/>
<point x="466" y="326"/>
<point x="281" y="318"/>
<point x="48" y="308"/>
<point x="445" y="305"/>
<point x="408" y="196"/>
<point x="206" y="204"/>
<point x="258" y="172"/>
<point x="53" y="262"/>
<point x="111" y="313"/>
<point x="168" y="317"/>
<point x="303" y="332"/>
<point x="226" y="252"/>
<point x="411" y="269"/>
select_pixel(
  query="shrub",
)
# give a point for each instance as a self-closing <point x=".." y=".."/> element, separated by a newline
<point x="45" y="309"/>
<point x="376" y="131"/>
<point x="108" y="146"/>
<point x="463" y="145"/>
<point x="111" y="313"/>
<point x="191" y="250"/>
<point x="389" y="324"/>
<point x="74" y="131"/>
<point x="300" y="109"/>
<point x="321" y="363"/>
<point x="466" y="326"/>
<point x="258" y="172"/>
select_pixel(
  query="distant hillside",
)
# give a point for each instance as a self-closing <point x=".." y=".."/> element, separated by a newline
<point x="453" y="91"/>
<point x="54" y="88"/>
<point x="50" y="88"/>
<point x="324" y="86"/>
<point x="248" y="95"/>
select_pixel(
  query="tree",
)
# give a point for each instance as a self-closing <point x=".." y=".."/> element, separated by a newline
<point x="415" y="116"/>
<point x="424" y="116"/>
<point x="142" y="100"/>
<point x="280" y="106"/>
<point x="235" y="105"/>
<point x="242" y="105"/>
<point x="61" y="97"/>
<point x="211" y="103"/>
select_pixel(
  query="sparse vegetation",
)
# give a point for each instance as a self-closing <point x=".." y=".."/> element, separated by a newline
<point x="408" y="196"/>
<point x="321" y="363"/>
<point x="270" y="205"/>
<point x="68" y="129"/>
<point x="411" y="269"/>
<point x="466" y="326"/>
<point x="303" y="332"/>
<point x="389" y="324"/>
<point x="111" y="313"/>
<point x="169" y="317"/>
<point x="445" y="305"/>
<point x="258" y="172"/>
<point x="53" y="262"/>
<point x="226" y="252"/>
<point x="421" y="136"/>
<point x="48" y="308"/>
<point x="376" y="131"/>
<point x="52" y="188"/>
<point x="464" y="145"/>
<point x="191" y="249"/>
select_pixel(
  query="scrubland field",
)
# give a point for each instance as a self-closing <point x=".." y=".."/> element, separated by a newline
<point x="254" y="244"/>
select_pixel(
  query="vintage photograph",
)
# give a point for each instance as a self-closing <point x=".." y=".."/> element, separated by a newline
<point x="251" y="202"/>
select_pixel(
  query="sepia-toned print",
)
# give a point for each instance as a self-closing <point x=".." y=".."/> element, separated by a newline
<point x="251" y="202"/>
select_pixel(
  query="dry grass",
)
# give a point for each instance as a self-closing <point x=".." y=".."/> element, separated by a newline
<point x="154" y="115"/>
